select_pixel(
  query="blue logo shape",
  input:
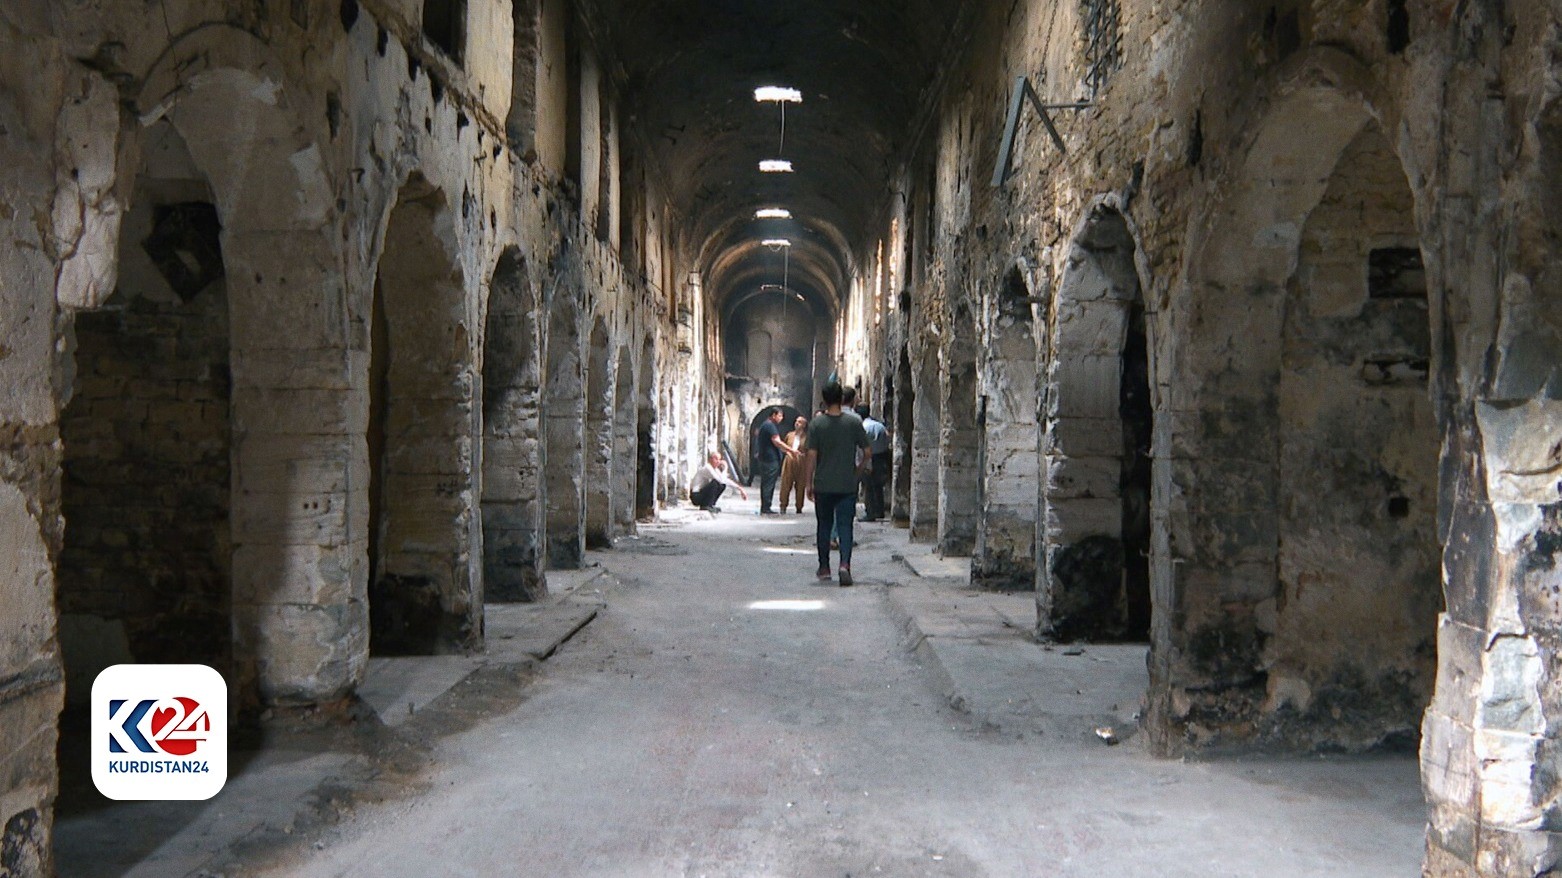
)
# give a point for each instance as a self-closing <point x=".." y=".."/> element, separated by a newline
<point x="126" y="721"/>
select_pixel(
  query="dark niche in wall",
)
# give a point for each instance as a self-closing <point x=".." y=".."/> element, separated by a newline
<point x="1396" y="273"/>
<point x="444" y="24"/>
<point x="1398" y="26"/>
<point x="185" y="245"/>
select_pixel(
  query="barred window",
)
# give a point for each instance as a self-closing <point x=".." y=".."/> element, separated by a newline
<point x="1103" y="41"/>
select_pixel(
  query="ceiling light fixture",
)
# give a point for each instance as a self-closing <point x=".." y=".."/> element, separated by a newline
<point x="772" y="213"/>
<point x="776" y="242"/>
<point x="775" y="166"/>
<point x="777" y="94"/>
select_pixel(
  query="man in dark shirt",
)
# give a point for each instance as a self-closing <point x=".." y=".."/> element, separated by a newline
<point x="771" y="448"/>
<point x="834" y="439"/>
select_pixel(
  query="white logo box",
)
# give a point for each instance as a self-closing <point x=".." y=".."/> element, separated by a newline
<point x="159" y="732"/>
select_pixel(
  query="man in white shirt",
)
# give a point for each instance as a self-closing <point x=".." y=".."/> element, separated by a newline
<point x="709" y="481"/>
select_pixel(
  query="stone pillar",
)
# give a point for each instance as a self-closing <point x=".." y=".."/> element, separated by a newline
<point x="601" y="381"/>
<point x="926" y="449"/>
<point x="960" y="440"/>
<point x="1005" y="555"/>
<point x="564" y="416"/>
<point x="1492" y="735"/>
<point x="31" y="681"/>
<point x="625" y="444"/>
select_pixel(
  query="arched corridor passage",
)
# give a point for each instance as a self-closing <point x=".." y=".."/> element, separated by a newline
<point x="405" y="327"/>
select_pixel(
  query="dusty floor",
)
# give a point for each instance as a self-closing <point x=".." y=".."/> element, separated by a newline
<point x="708" y="724"/>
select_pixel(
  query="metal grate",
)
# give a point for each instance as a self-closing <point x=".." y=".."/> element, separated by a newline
<point x="1103" y="42"/>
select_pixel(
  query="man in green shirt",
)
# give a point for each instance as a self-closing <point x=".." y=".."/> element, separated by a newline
<point x="834" y="438"/>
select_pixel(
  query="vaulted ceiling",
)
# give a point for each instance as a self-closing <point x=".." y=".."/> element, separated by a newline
<point x="691" y="67"/>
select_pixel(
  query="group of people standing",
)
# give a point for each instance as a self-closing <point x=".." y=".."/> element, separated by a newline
<point x="828" y="459"/>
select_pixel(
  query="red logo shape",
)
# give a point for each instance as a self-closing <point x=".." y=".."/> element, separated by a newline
<point x="179" y="725"/>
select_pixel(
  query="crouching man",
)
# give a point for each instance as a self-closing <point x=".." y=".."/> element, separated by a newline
<point x="710" y="481"/>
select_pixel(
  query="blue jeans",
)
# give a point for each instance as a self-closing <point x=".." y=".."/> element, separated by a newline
<point x="835" y="512"/>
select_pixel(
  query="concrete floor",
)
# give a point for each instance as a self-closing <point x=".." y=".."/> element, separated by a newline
<point x="726" y="715"/>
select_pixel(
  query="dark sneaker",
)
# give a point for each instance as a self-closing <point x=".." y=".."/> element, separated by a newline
<point x="823" y="574"/>
<point x="768" y="512"/>
<point x="846" y="575"/>
<point x="713" y="509"/>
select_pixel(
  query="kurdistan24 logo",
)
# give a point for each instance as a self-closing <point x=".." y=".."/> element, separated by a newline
<point x="159" y="732"/>
<point x="175" y="726"/>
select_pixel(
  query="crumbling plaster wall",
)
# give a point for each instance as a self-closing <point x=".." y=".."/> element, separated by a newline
<point x="1216" y="137"/>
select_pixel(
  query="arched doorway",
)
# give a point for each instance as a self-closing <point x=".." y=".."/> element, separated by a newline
<point x="1095" y="581"/>
<point x="1298" y="603"/>
<point x="423" y="583"/>
<point x="789" y="416"/>
<point x="1353" y="656"/>
<point x="512" y="429"/>
<point x="145" y="574"/>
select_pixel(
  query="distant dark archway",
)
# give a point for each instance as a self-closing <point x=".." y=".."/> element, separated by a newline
<point x="789" y="416"/>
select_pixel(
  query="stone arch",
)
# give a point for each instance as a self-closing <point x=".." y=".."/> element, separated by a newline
<point x="1228" y="668"/>
<point x="512" y="431"/>
<point x="1094" y="580"/>
<point x="146" y="565"/>
<point x="565" y="416"/>
<point x="1352" y="659"/>
<point x="299" y="638"/>
<point x="1005" y="556"/>
<point x="601" y="381"/>
<point x="625" y="424"/>
<point x="645" y="437"/>
<point x="789" y="416"/>
<point x="424" y="590"/>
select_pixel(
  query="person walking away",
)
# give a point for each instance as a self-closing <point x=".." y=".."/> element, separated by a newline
<point x="849" y="405"/>
<point x="709" y="481"/>
<point x="792" y="467"/>
<point x="879" y="449"/>
<point x="834" y="440"/>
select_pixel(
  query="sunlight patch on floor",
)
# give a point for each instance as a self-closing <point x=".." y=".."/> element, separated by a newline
<point x="787" y="605"/>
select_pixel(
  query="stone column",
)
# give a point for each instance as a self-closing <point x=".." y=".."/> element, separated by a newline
<point x="1005" y="555"/>
<point x="925" y="449"/>
<point x="960" y="439"/>
<point x="564" y="416"/>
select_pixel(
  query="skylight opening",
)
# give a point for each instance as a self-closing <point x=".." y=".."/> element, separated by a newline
<point x="772" y="213"/>
<point x="777" y="94"/>
<point x="775" y="166"/>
